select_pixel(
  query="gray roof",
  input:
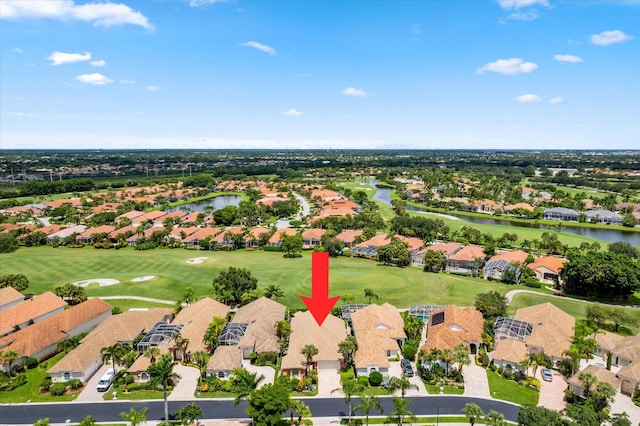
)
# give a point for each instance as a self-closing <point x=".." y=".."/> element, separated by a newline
<point x="602" y="213"/>
<point x="562" y="210"/>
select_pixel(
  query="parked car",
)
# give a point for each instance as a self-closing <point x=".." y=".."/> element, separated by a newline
<point x="546" y="375"/>
<point x="407" y="370"/>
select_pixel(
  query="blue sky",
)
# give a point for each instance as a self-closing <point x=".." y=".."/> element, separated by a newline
<point x="518" y="74"/>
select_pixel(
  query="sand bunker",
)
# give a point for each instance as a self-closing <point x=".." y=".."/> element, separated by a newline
<point x="101" y="281"/>
<point x="197" y="260"/>
<point x="145" y="278"/>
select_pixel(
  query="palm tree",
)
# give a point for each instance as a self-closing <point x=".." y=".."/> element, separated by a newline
<point x="189" y="414"/>
<point x="473" y="412"/>
<point x="446" y="356"/>
<point x="587" y="380"/>
<point x="301" y="408"/>
<point x="402" y="384"/>
<point x="348" y="348"/>
<point x="135" y="417"/>
<point x="495" y="418"/>
<point x="461" y="356"/>
<point x="369" y="294"/>
<point x="181" y="344"/>
<point x="246" y="383"/>
<point x="273" y="292"/>
<point x="309" y="351"/>
<point x="113" y="353"/>
<point x="9" y="357"/>
<point x="201" y="358"/>
<point x="161" y="374"/>
<point x="152" y="352"/>
<point x="349" y="388"/>
<point x="368" y="403"/>
<point x="603" y="395"/>
<point x="400" y="412"/>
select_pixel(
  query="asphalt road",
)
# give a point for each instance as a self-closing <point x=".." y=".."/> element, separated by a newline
<point x="109" y="411"/>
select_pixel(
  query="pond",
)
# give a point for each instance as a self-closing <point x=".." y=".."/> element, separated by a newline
<point x="216" y="203"/>
<point x="610" y="235"/>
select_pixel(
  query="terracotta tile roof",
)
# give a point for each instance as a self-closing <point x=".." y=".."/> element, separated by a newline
<point x="460" y="325"/>
<point x="446" y="248"/>
<point x="142" y="363"/>
<point x="324" y="194"/>
<point x="607" y="340"/>
<point x="255" y="233"/>
<point x="552" y="263"/>
<point x="523" y="206"/>
<point x="510" y="350"/>
<point x="280" y="233"/>
<point x="377" y="329"/>
<point x="629" y="348"/>
<point x="49" y="229"/>
<point x="196" y="319"/>
<point x="153" y="216"/>
<point x="262" y="315"/>
<point x="131" y="215"/>
<point x="469" y="254"/>
<point x="510" y="256"/>
<point x="222" y="235"/>
<point x="376" y="241"/>
<point x="552" y="328"/>
<point x="315" y="233"/>
<point x="601" y="374"/>
<point x="348" y="236"/>
<point x="306" y="331"/>
<point x="202" y="234"/>
<point x="33" y="308"/>
<point x="41" y="335"/>
<point x="124" y="327"/>
<point x="99" y="230"/>
<point x="116" y="232"/>
<point x="225" y="358"/>
<point x="631" y="371"/>
<point x="9" y="295"/>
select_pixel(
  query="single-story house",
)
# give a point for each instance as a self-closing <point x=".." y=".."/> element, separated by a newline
<point x="602" y="375"/>
<point x="448" y="249"/>
<point x="561" y="213"/>
<point x="223" y="361"/>
<point x="140" y="366"/>
<point x="348" y="237"/>
<point x="607" y="342"/>
<point x="9" y="297"/>
<point x="509" y="354"/>
<point x="496" y="265"/>
<point x="30" y="311"/>
<point x="453" y="325"/>
<point x="278" y="236"/>
<point x="253" y="239"/>
<point x="547" y="269"/>
<point x="224" y="240"/>
<point x="312" y="237"/>
<point x="379" y="331"/>
<point x="65" y="232"/>
<point x="603" y="216"/>
<point x="467" y="260"/>
<point x="261" y="317"/>
<point x="194" y="239"/>
<point x="86" y="237"/>
<point x="326" y="338"/>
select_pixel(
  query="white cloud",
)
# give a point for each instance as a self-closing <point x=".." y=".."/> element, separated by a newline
<point x="518" y="4"/>
<point x="528" y="98"/>
<point x="123" y="81"/>
<point x="99" y="63"/>
<point x="528" y="15"/>
<point x="260" y="46"/>
<point x="568" y="58"/>
<point x="201" y="3"/>
<point x="293" y="113"/>
<point x="100" y="14"/>
<point x="152" y="88"/>
<point x="18" y="50"/>
<point x="352" y="91"/>
<point x="20" y="114"/>
<point x="556" y="100"/>
<point x="59" y="58"/>
<point x="610" y="37"/>
<point x="96" y="79"/>
<point x="510" y="66"/>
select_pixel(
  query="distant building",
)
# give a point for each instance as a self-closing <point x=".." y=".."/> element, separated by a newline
<point x="603" y="216"/>
<point x="561" y="213"/>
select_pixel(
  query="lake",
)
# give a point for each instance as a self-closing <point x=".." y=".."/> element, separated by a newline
<point x="216" y="203"/>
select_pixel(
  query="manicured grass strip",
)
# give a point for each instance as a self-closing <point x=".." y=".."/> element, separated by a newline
<point x="508" y="390"/>
<point x="127" y="304"/>
<point x="132" y="396"/>
<point x="431" y="420"/>
<point x="448" y="390"/>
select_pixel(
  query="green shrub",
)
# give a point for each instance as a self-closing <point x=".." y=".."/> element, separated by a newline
<point x="45" y="384"/>
<point x="74" y="383"/>
<point x="409" y="350"/>
<point x="375" y="378"/>
<point x="363" y="381"/>
<point x="58" y="389"/>
<point x="128" y="380"/>
<point x="31" y="363"/>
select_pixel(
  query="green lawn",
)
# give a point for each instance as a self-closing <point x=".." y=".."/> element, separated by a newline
<point x="574" y="308"/>
<point x="48" y="267"/>
<point x="508" y="390"/>
<point x="132" y="396"/>
<point x="30" y="391"/>
<point x="448" y="390"/>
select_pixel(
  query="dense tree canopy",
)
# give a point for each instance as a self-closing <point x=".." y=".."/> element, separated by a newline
<point x="601" y="274"/>
<point x="18" y="281"/>
<point x="492" y="304"/>
<point x="70" y="293"/>
<point x="268" y="404"/>
<point x="8" y="243"/>
<point x="231" y="284"/>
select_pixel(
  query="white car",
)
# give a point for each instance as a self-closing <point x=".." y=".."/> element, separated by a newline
<point x="546" y="375"/>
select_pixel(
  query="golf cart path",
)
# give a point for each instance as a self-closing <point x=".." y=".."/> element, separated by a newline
<point x="144" y="299"/>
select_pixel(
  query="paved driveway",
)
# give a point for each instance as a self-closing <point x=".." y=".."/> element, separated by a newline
<point x="90" y="393"/>
<point x="623" y="404"/>
<point x="268" y="372"/>
<point x="552" y="393"/>
<point x="186" y="386"/>
<point x="395" y="370"/>
<point x="328" y="380"/>
<point x="475" y="380"/>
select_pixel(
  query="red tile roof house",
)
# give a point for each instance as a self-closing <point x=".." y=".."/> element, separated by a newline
<point x="146" y="234"/>
<point x="9" y="297"/>
<point x="122" y="233"/>
<point x="547" y="269"/>
<point x="448" y="249"/>
<point x="64" y="233"/>
<point x="312" y="237"/>
<point x="30" y="311"/>
<point x="626" y="355"/>
<point x="224" y="240"/>
<point x="253" y="239"/>
<point x="348" y="237"/>
<point x="379" y="331"/>
<point x="193" y="240"/>
<point x="87" y="236"/>
<point x="278" y="236"/>
<point x="496" y="265"/>
<point x="179" y="234"/>
<point x="466" y="261"/>
<point x="83" y="361"/>
<point x="369" y="248"/>
<point x="152" y="217"/>
<point x="41" y="339"/>
<point x="453" y="325"/>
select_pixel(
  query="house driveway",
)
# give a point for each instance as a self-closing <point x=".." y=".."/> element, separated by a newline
<point x="328" y="380"/>
<point x="186" y="386"/>
<point x="89" y="392"/>
<point x="623" y="404"/>
<point x="268" y="372"/>
<point x="395" y="370"/>
<point x="475" y="380"/>
<point x="552" y="393"/>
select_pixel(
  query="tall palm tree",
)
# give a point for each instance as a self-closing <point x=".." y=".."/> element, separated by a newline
<point x="349" y="388"/>
<point x="301" y="408"/>
<point x="461" y="356"/>
<point x="246" y="383"/>
<point x="587" y="380"/>
<point x="309" y="351"/>
<point x="369" y="294"/>
<point x="495" y="418"/>
<point x="135" y="417"/>
<point x="161" y="373"/>
<point x="181" y="344"/>
<point x="348" y="348"/>
<point x="473" y="412"/>
<point x="402" y="384"/>
<point x="400" y="412"/>
<point x="9" y="357"/>
<point x="446" y="356"/>
<point x="113" y="353"/>
<point x="368" y="403"/>
<point x="152" y="352"/>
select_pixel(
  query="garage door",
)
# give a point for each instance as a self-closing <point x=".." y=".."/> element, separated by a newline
<point x="329" y="365"/>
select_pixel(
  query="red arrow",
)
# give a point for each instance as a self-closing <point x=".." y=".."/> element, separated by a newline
<point x="320" y="304"/>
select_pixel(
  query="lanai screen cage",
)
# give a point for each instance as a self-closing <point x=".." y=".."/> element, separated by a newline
<point x="232" y="333"/>
<point x="160" y="334"/>
<point x="512" y="328"/>
<point x="423" y="311"/>
<point x="347" y="310"/>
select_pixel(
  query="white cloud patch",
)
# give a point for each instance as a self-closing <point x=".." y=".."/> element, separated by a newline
<point x="519" y="4"/>
<point x="17" y="50"/>
<point x="20" y="114"/>
<point x="152" y="88"/>
<point x="123" y="81"/>
<point x="95" y="79"/>
<point x="293" y="113"/>
<point x="528" y="15"/>
<point x="202" y="3"/>
<point x="556" y="100"/>
<point x="358" y="93"/>
<point x="100" y="14"/>
<point x="59" y="58"/>
<point x="606" y="38"/>
<point x="568" y="58"/>
<point x="510" y="66"/>
<point x="262" y="47"/>
<point x="529" y="98"/>
<point x="99" y="63"/>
